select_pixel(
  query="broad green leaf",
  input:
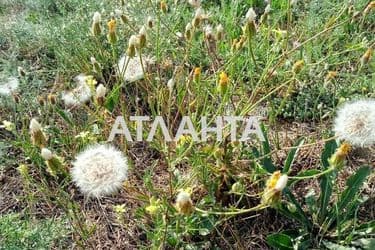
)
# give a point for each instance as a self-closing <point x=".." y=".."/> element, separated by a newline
<point x="299" y="214"/>
<point x="112" y="99"/>
<point x="326" y="180"/>
<point x="354" y="183"/>
<point x="280" y="241"/>
<point x="292" y="155"/>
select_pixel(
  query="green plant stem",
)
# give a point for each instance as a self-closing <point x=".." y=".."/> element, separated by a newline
<point x="236" y="212"/>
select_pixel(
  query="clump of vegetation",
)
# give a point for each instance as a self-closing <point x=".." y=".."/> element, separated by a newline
<point x="93" y="69"/>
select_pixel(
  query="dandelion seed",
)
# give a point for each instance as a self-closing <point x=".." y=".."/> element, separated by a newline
<point x="134" y="70"/>
<point x="100" y="94"/>
<point x="355" y="122"/>
<point x="208" y="32"/>
<point x="9" y="87"/>
<point x="134" y="43"/>
<point x="99" y="170"/>
<point x="267" y="10"/>
<point x="184" y="204"/>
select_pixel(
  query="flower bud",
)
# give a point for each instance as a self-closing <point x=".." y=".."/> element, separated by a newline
<point x="188" y="31"/>
<point x="297" y="66"/>
<point x="219" y="32"/>
<point x="112" y="37"/>
<point x="95" y="28"/>
<point x="150" y="22"/>
<point x="223" y="83"/>
<point x="37" y="136"/>
<point x="142" y="37"/>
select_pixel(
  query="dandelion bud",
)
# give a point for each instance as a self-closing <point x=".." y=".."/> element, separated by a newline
<point x="291" y="207"/>
<point x="223" y="83"/>
<point x="150" y="22"/>
<point x="41" y="101"/>
<point x="112" y="38"/>
<point x="170" y="84"/>
<point x="96" y="29"/>
<point x="188" y="31"/>
<point x="21" y="71"/>
<point x="208" y="33"/>
<point x="184" y="204"/>
<point x="199" y="13"/>
<point x="100" y="94"/>
<point x="219" y="32"/>
<point x="37" y="136"/>
<point x="197" y="74"/>
<point x="54" y="164"/>
<point x="331" y="75"/>
<point x="163" y="6"/>
<point x="52" y="99"/>
<point x="337" y="160"/>
<point x="133" y="44"/>
<point x="142" y="37"/>
<point x="297" y="66"/>
<point x="366" y="56"/>
<point x="96" y="67"/>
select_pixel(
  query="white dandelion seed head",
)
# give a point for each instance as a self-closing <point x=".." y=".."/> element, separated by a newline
<point x="183" y="197"/>
<point x="133" y="71"/>
<point x="99" y="170"/>
<point x="355" y="122"/>
<point x="134" y="41"/>
<point x="281" y="182"/>
<point x="35" y="126"/>
<point x="79" y="95"/>
<point x="101" y="91"/>
<point x="195" y="3"/>
<point x="46" y="154"/>
<point x="96" y="17"/>
<point x="251" y="15"/>
<point x="9" y="86"/>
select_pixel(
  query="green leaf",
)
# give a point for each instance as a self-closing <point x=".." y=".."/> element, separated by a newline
<point x="354" y="183"/>
<point x="112" y="99"/>
<point x="280" y="241"/>
<point x="326" y="180"/>
<point x="292" y="155"/>
<point x="64" y="116"/>
<point x="267" y="161"/>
